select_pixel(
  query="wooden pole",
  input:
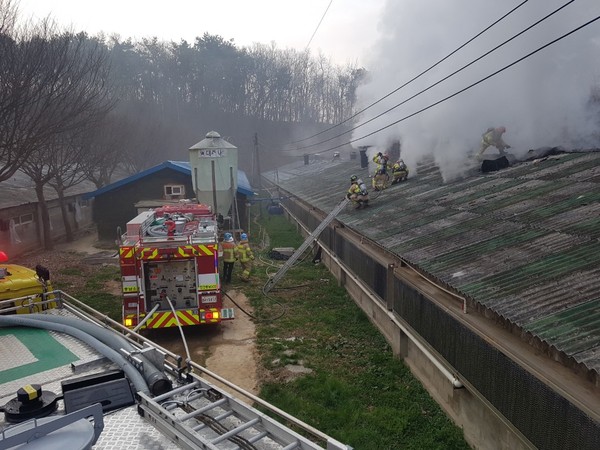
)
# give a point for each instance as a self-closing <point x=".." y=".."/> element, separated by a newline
<point x="214" y="186"/>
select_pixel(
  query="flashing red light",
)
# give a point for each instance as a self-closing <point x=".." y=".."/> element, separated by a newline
<point x="3" y="257"/>
<point x="208" y="315"/>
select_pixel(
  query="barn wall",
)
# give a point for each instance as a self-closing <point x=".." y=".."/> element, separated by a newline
<point x="20" y="226"/>
<point x="115" y="208"/>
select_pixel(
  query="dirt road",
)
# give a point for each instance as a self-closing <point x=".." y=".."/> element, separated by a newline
<point x="227" y="349"/>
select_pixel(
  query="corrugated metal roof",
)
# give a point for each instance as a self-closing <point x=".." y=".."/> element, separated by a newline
<point x="523" y="241"/>
<point x="20" y="190"/>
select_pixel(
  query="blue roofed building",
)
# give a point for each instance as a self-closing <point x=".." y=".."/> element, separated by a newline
<point x="168" y="182"/>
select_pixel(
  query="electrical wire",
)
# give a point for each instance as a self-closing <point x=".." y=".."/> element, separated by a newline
<point x="320" y="21"/>
<point x="237" y="212"/>
<point x="443" y="79"/>
<point x="417" y="76"/>
<point x="469" y="86"/>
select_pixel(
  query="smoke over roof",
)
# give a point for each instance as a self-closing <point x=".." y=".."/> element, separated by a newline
<point x="542" y="101"/>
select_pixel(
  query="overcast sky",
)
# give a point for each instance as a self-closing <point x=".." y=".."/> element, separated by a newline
<point x="346" y="33"/>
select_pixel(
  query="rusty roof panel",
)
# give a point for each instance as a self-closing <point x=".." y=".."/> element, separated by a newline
<point x="514" y="268"/>
<point x="474" y="195"/>
<point x="567" y="164"/>
<point x="570" y="330"/>
<point x="523" y="241"/>
<point x="542" y="270"/>
<point x="493" y="244"/>
<point x="540" y="301"/>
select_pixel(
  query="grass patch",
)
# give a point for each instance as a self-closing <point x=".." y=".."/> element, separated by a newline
<point x="71" y="271"/>
<point x="357" y="392"/>
<point x="87" y="284"/>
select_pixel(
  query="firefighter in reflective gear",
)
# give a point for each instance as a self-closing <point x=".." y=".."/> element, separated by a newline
<point x="357" y="195"/>
<point x="399" y="172"/>
<point x="493" y="138"/>
<point x="245" y="256"/>
<point x="230" y="256"/>
<point x="360" y="182"/>
<point x="381" y="177"/>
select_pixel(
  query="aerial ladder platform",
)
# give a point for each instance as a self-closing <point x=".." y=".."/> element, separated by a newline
<point x="197" y="415"/>
<point x="307" y="243"/>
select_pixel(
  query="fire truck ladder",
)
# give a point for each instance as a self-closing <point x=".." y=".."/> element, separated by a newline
<point x="199" y="416"/>
<point x="309" y="240"/>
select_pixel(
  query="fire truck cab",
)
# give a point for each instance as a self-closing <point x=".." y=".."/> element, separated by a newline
<point x="170" y="268"/>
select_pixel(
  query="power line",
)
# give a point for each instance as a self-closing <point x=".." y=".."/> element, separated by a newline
<point x="419" y="75"/>
<point x="315" y="32"/>
<point x="471" y="85"/>
<point x="445" y="78"/>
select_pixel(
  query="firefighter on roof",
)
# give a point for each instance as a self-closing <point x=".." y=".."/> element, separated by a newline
<point x="245" y="256"/>
<point x="358" y="195"/>
<point x="399" y="172"/>
<point x="360" y="182"/>
<point x="493" y="138"/>
<point x="381" y="176"/>
<point x="230" y="256"/>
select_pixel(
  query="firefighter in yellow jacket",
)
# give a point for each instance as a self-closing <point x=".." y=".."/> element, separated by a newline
<point x="245" y="256"/>
<point x="357" y="192"/>
<point x="230" y="256"/>
<point x="399" y="172"/>
<point x="381" y="177"/>
<point x="493" y="138"/>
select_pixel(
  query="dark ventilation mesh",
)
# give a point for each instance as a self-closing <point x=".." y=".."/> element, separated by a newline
<point x="365" y="267"/>
<point x="546" y="418"/>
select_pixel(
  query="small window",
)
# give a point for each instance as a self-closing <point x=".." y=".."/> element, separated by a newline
<point x="25" y="218"/>
<point x="176" y="189"/>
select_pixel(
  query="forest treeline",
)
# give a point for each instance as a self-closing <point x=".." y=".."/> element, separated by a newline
<point x="76" y="107"/>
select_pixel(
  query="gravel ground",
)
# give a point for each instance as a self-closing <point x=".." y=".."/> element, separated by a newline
<point x="84" y="254"/>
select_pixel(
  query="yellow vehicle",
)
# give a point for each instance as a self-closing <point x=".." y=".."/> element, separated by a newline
<point x="25" y="286"/>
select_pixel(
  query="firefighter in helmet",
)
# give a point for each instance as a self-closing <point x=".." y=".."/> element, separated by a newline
<point x="358" y="194"/>
<point x="245" y="256"/>
<point x="381" y="176"/>
<point x="493" y="138"/>
<point x="399" y="172"/>
<point x="230" y="256"/>
<point x="360" y="182"/>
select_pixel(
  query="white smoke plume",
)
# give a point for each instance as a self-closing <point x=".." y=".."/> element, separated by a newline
<point x="542" y="101"/>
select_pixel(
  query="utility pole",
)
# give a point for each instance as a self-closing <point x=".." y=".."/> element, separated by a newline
<point x="256" y="164"/>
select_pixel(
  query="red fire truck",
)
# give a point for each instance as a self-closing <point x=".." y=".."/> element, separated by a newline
<point x="170" y="268"/>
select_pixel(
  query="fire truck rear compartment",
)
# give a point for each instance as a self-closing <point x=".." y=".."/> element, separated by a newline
<point x="175" y="279"/>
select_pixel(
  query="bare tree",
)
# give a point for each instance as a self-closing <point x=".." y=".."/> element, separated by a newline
<point x="104" y="148"/>
<point x="75" y="96"/>
<point x="66" y="166"/>
<point x="50" y="83"/>
<point x="21" y="86"/>
<point x="8" y="16"/>
<point x="37" y="167"/>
